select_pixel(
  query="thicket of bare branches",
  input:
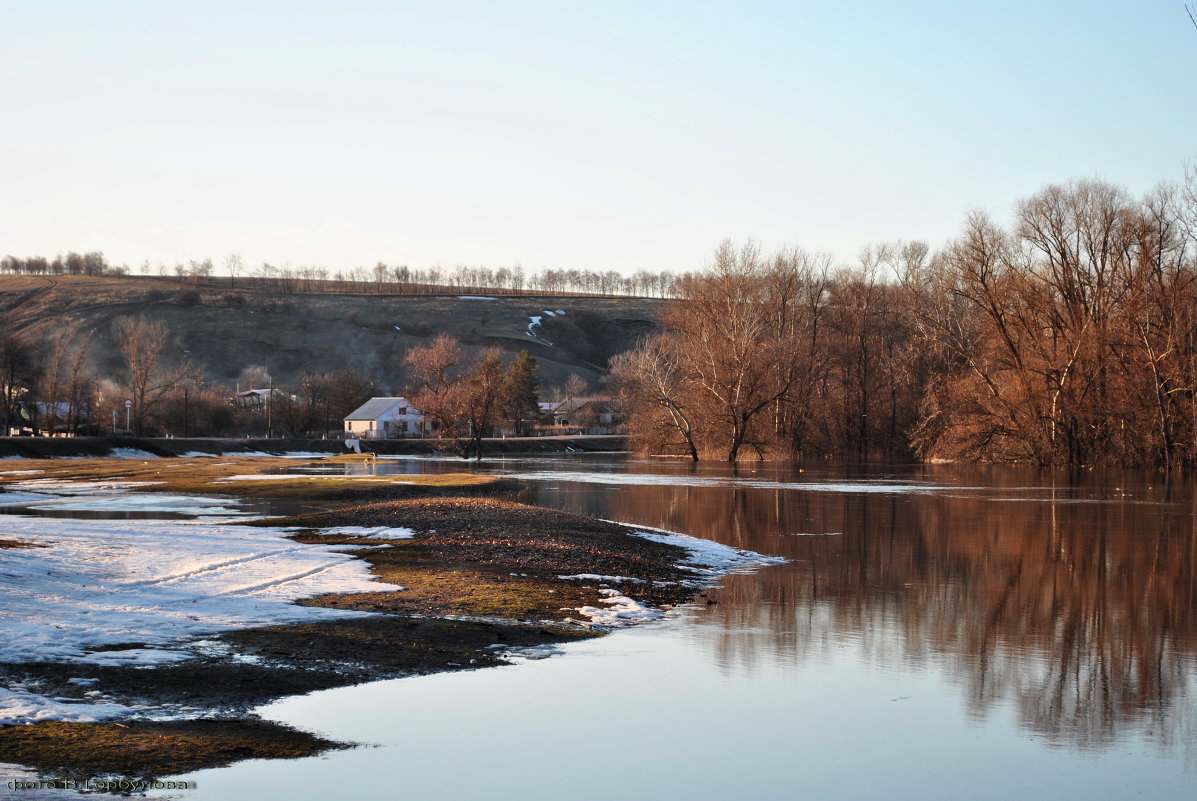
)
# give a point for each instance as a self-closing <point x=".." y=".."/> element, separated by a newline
<point x="466" y="398"/>
<point x="1066" y="337"/>
<point x="1069" y="337"/>
<point x="151" y="374"/>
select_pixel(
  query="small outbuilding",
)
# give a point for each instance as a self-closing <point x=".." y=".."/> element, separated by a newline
<point x="385" y="418"/>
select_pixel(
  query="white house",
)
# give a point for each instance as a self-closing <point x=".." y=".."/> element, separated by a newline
<point x="384" y="418"/>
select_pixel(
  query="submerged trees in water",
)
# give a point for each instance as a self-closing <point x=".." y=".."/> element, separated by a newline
<point x="1067" y="337"/>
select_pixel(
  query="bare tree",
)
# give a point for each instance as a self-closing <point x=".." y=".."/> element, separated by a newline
<point x="18" y="374"/>
<point x="433" y="369"/>
<point x="479" y="401"/>
<point x="149" y="374"/>
<point x="737" y="364"/>
<point x="464" y="400"/>
<point x="574" y="387"/>
<point x="740" y="364"/>
<point x="651" y="381"/>
<point x="234" y="265"/>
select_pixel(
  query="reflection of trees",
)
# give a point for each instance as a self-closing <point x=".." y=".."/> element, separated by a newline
<point x="1082" y="614"/>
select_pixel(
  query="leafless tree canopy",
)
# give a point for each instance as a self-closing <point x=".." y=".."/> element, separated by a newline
<point x="151" y="374"/>
<point x="1067" y="337"/>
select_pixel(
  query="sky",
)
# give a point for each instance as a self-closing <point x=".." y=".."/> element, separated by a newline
<point x="614" y="135"/>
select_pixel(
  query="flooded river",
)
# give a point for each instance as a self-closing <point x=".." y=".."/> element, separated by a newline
<point x="938" y="633"/>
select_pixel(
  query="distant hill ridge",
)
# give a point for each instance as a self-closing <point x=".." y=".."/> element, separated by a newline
<point x="228" y="328"/>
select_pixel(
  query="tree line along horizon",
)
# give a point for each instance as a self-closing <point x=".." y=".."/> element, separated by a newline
<point x="381" y="279"/>
<point x="1065" y="337"/>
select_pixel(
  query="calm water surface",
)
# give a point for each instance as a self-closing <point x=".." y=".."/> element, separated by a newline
<point x="940" y="632"/>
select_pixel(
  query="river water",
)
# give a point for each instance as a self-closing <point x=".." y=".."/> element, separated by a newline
<point x="939" y="633"/>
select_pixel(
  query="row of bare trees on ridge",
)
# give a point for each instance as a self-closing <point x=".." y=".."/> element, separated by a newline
<point x="381" y="279"/>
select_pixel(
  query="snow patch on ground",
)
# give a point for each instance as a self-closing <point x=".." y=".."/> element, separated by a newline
<point x="68" y="487"/>
<point x="130" y="453"/>
<point x="706" y="556"/>
<point x="372" y="532"/>
<point x="155" y="585"/>
<point x="146" y="592"/>
<point x="143" y="593"/>
<point x="620" y="611"/>
<point x="18" y="706"/>
<point x="176" y="505"/>
<point x="474" y="297"/>
<point x="608" y="579"/>
<point x="95" y="496"/>
<point x="529" y="653"/>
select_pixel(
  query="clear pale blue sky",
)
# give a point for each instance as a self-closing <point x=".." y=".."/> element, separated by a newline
<point x="612" y="135"/>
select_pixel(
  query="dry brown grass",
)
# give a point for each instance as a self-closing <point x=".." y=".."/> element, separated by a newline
<point x="217" y="476"/>
<point x="228" y="328"/>
<point x="148" y="749"/>
<point x="493" y="558"/>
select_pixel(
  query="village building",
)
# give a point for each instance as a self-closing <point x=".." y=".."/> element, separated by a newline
<point x="385" y="418"/>
<point x="48" y="419"/>
<point x="259" y="399"/>
<point x="583" y="415"/>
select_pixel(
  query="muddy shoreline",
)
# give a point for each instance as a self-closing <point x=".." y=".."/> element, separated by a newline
<point x="483" y="578"/>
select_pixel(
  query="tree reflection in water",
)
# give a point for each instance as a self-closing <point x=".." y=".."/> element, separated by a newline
<point x="1074" y="598"/>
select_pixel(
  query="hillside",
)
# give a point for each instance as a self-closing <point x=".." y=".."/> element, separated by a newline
<point x="226" y="329"/>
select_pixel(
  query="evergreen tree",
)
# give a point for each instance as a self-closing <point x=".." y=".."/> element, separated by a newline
<point x="521" y="398"/>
